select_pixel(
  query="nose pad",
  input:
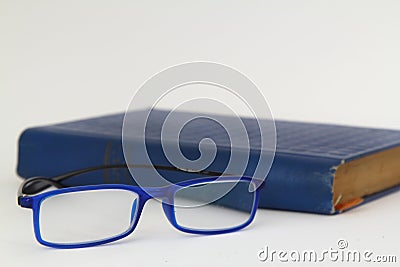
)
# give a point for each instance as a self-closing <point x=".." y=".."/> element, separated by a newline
<point x="133" y="211"/>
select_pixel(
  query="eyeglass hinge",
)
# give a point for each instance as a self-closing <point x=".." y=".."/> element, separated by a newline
<point x="25" y="202"/>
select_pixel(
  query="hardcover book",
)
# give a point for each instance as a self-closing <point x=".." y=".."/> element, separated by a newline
<point x="318" y="168"/>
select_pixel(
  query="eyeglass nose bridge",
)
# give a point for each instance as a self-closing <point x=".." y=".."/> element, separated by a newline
<point x="164" y="195"/>
<point x="157" y="192"/>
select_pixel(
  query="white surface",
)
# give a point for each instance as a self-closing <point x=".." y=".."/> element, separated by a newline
<point x="324" y="61"/>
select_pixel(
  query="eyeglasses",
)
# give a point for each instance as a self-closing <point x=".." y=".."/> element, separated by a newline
<point x="90" y="215"/>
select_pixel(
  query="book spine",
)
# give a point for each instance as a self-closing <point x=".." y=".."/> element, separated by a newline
<point x="295" y="182"/>
<point x="300" y="183"/>
<point x="48" y="152"/>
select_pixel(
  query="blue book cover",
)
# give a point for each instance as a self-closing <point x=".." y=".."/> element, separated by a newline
<point x="318" y="168"/>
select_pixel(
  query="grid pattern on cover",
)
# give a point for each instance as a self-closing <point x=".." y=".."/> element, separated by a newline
<point x="314" y="139"/>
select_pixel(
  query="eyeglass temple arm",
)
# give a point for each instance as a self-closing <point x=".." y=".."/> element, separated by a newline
<point x="37" y="184"/>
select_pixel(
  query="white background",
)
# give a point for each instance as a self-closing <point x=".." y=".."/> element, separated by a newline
<point x="323" y="61"/>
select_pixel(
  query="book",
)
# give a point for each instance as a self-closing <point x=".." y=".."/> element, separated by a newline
<point x="318" y="168"/>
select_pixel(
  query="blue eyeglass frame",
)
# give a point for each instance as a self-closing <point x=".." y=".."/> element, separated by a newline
<point x="166" y="194"/>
